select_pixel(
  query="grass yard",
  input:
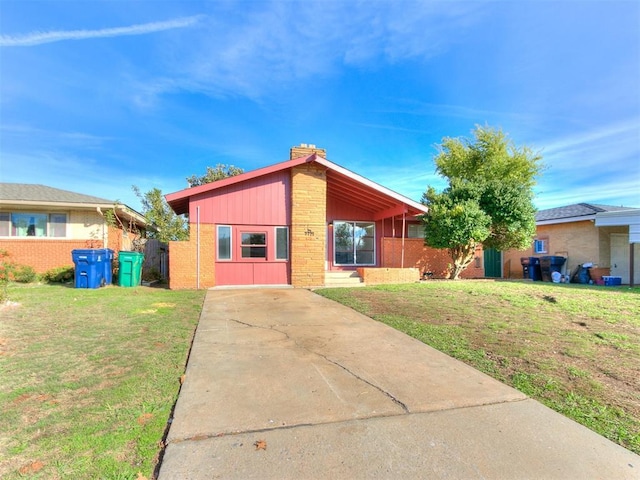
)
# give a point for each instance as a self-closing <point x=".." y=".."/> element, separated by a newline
<point x="88" y="378"/>
<point x="575" y="348"/>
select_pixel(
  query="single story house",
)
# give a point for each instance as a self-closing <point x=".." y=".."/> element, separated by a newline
<point x="304" y="222"/>
<point x="604" y="235"/>
<point x="41" y="225"/>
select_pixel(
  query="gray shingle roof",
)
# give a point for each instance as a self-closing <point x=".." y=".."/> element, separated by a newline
<point x="26" y="192"/>
<point x="576" y="210"/>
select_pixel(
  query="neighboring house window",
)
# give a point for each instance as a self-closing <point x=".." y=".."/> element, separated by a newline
<point x="415" y="230"/>
<point x="5" y="224"/>
<point x="354" y="243"/>
<point x="254" y="245"/>
<point x="33" y="224"/>
<point x="224" y="242"/>
<point x="57" y="225"/>
<point x="540" y="245"/>
<point x="282" y="243"/>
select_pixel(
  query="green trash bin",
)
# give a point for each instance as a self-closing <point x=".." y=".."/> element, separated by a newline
<point x="130" y="268"/>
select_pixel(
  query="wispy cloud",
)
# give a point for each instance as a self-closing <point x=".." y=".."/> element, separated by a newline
<point x="39" y="38"/>
<point x="285" y="43"/>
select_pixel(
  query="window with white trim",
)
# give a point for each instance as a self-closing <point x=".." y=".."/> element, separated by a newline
<point x="282" y="243"/>
<point x="354" y="243"/>
<point x="27" y="224"/>
<point x="224" y="242"/>
<point x="540" y="245"/>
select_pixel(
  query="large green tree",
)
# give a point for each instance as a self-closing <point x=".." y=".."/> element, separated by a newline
<point x="213" y="174"/>
<point x="489" y="197"/>
<point x="169" y="226"/>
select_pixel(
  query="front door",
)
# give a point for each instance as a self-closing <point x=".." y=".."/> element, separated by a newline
<point x="492" y="263"/>
<point x="620" y="256"/>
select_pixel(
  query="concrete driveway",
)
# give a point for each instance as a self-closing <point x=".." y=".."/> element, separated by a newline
<point x="282" y="383"/>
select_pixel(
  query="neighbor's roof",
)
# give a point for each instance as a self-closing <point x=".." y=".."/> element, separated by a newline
<point x="33" y="195"/>
<point x="574" y="213"/>
<point x="29" y="192"/>
<point x="341" y="183"/>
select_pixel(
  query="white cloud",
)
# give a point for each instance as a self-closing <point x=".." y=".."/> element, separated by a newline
<point x="276" y="44"/>
<point x="39" y="38"/>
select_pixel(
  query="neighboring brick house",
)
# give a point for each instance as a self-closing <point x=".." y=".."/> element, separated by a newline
<point x="300" y="222"/>
<point x="41" y="225"/>
<point x="579" y="233"/>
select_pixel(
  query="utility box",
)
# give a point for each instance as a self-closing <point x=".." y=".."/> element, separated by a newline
<point x="130" y="268"/>
<point x="611" y="281"/>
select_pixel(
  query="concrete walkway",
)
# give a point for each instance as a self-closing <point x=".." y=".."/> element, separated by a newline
<point x="284" y="384"/>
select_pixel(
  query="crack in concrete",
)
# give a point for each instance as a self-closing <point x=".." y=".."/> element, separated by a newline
<point x="364" y="380"/>
<point x="343" y="367"/>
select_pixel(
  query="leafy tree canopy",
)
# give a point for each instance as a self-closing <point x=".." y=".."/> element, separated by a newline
<point x="489" y="199"/>
<point x="213" y="174"/>
<point x="169" y="225"/>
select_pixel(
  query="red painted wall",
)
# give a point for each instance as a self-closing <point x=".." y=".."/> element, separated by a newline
<point x="260" y="201"/>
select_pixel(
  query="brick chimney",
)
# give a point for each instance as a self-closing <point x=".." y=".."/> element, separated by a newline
<point x="304" y="150"/>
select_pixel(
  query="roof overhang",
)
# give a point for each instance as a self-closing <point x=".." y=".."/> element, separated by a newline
<point x="341" y="183"/>
<point x="582" y="218"/>
<point x="622" y="218"/>
<point x="121" y="209"/>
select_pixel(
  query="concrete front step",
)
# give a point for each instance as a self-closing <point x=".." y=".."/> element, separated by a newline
<point x="347" y="278"/>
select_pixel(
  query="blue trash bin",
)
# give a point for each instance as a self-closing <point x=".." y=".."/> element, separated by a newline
<point x="89" y="268"/>
<point x="108" y="266"/>
<point x="534" y="269"/>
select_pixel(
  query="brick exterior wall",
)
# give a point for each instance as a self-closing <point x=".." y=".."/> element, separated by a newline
<point x="425" y="259"/>
<point x="579" y="242"/>
<point x="183" y="259"/>
<point x="308" y="225"/>
<point x="86" y="230"/>
<point x="44" y="254"/>
<point x="378" y="276"/>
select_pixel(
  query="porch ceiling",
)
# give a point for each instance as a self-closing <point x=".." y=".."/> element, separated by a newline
<point x="369" y="199"/>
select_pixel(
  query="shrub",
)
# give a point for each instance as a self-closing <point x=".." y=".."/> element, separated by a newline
<point x="6" y="267"/>
<point x="24" y="274"/>
<point x="58" y="275"/>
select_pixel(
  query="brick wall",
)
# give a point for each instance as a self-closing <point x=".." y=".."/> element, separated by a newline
<point x="377" y="276"/>
<point x="308" y="225"/>
<point x="579" y="242"/>
<point x="44" y="254"/>
<point x="183" y="259"/>
<point x="425" y="259"/>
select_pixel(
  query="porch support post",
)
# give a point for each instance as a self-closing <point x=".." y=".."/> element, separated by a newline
<point x="631" y="262"/>
<point x="404" y="224"/>
<point x="393" y="235"/>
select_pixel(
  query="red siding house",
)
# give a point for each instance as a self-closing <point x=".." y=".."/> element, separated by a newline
<point x="304" y="222"/>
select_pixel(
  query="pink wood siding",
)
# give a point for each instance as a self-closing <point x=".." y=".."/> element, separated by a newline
<point x="239" y="273"/>
<point x="259" y="201"/>
<point x="340" y="210"/>
<point x="253" y="271"/>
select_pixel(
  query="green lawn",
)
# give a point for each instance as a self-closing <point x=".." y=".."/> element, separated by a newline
<point x="88" y="378"/>
<point x="575" y="348"/>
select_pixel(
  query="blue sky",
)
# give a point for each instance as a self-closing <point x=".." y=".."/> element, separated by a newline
<point x="98" y="96"/>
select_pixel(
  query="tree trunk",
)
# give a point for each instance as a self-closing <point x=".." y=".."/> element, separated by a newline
<point x="462" y="256"/>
